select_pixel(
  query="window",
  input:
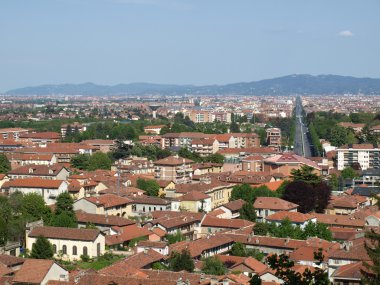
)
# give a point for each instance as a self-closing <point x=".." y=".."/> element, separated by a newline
<point x="54" y="248"/>
<point x="85" y="251"/>
<point x="75" y="250"/>
<point x="64" y="249"/>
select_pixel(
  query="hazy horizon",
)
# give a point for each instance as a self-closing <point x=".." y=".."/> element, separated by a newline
<point x="196" y="42"/>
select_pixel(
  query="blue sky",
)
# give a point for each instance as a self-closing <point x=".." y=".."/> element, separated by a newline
<point x="184" y="41"/>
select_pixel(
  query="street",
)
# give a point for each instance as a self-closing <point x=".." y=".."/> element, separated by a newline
<point x="301" y="139"/>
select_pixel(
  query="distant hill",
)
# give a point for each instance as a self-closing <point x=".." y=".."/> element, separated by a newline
<point x="302" y="84"/>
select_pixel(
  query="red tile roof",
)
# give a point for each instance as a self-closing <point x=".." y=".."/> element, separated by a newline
<point x="33" y="183"/>
<point x="214" y="222"/>
<point x="294" y="217"/>
<point x="65" y="233"/>
<point x="33" y="271"/>
<point x="273" y="203"/>
<point x="83" y="217"/>
<point x="173" y="160"/>
<point x="108" y="200"/>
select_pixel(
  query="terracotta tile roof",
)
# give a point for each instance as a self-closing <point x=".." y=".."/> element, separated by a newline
<point x="294" y="217"/>
<point x="83" y="217"/>
<point x="158" y="231"/>
<point x="197" y="247"/>
<point x="29" y="156"/>
<point x="235" y="205"/>
<point x="37" y="170"/>
<point x="33" y="271"/>
<point x="41" y="135"/>
<point x="351" y="202"/>
<point x="250" y="262"/>
<point x="156" y="244"/>
<point x="273" y="185"/>
<point x="33" y="183"/>
<point x="180" y="220"/>
<point x="345" y="233"/>
<point x="306" y="253"/>
<point x="10" y="260"/>
<point x="194" y="196"/>
<point x="201" y="187"/>
<point x="354" y="251"/>
<point x="273" y="203"/>
<point x="349" y="271"/>
<point x="65" y="233"/>
<point x="174" y="214"/>
<point x="149" y="200"/>
<point x="286" y="158"/>
<point x="210" y="221"/>
<point x="340" y="220"/>
<point x="173" y="160"/>
<point x="126" y="234"/>
<point x="357" y="146"/>
<point x="4" y="270"/>
<point x="216" y="212"/>
<point x="163" y="183"/>
<point x="108" y="200"/>
<point x="252" y="150"/>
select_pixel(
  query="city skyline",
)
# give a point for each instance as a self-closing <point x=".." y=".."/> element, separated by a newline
<point x="184" y="42"/>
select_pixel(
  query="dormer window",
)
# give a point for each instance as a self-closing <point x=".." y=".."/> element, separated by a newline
<point x="30" y="170"/>
<point x="50" y="171"/>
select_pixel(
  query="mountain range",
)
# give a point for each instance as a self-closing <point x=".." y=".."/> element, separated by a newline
<point x="297" y="84"/>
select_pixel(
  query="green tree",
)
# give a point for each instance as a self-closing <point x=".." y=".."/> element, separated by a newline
<point x="247" y="212"/>
<point x="80" y="161"/>
<point x="34" y="208"/>
<point x="371" y="275"/>
<point x="5" y="165"/>
<point x="255" y="280"/>
<point x="99" y="160"/>
<point x="174" y="238"/>
<point x="42" y="249"/>
<point x="215" y="158"/>
<point x="283" y="270"/>
<point x="234" y="127"/>
<point x="305" y="173"/>
<point x="212" y="265"/>
<point x="64" y="215"/>
<point x="334" y="182"/>
<point x="181" y="261"/>
<point x="3" y="232"/>
<point x="150" y="186"/>
<point x="238" y="249"/>
<point x="249" y="194"/>
<point x="261" y="229"/>
<point x="348" y="173"/>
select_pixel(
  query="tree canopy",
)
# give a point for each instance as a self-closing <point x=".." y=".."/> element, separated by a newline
<point x="181" y="261"/>
<point x="42" y="249"/>
<point x="5" y="165"/>
<point x="212" y="265"/>
<point x="150" y="186"/>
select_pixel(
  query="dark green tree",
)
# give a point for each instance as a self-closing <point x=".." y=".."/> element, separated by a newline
<point x="42" y="249"/>
<point x="348" y="173"/>
<point x="34" y="208"/>
<point x="99" y="160"/>
<point x="255" y="280"/>
<point x="261" y="229"/>
<point x="213" y="266"/>
<point x="306" y="174"/>
<point x="150" y="186"/>
<point x="234" y="127"/>
<point x="64" y="215"/>
<point x="247" y="212"/>
<point x="5" y="165"/>
<point x="181" y="261"/>
<point x="215" y="158"/>
<point x="174" y="238"/>
<point x="80" y="161"/>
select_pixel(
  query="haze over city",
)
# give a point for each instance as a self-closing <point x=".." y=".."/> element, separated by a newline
<point x="184" y="42"/>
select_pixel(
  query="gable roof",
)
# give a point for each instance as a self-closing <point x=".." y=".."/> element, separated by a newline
<point x="273" y="203"/>
<point x="295" y="217"/>
<point x="83" y="217"/>
<point x="108" y="200"/>
<point x="34" y="182"/>
<point x="173" y="160"/>
<point x="65" y="233"/>
<point x="33" y="271"/>
<point x="210" y="221"/>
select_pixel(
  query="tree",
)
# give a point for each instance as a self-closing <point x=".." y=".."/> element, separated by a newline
<point x="305" y="173"/>
<point x="249" y="194"/>
<point x="371" y="274"/>
<point x="234" y="127"/>
<point x="150" y="186"/>
<point x="302" y="194"/>
<point x="3" y="232"/>
<point x="80" y="161"/>
<point x="64" y="215"/>
<point x="283" y="270"/>
<point x="349" y="173"/>
<point x="181" y="261"/>
<point x="255" y="280"/>
<point x="5" y="165"/>
<point x="322" y="193"/>
<point x="42" y="249"/>
<point x="174" y="238"/>
<point x="215" y="158"/>
<point x="34" y="208"/>
<point x="212" y="265"/>
<point x="247" y="212"/>
<point x="261" y="229"/>
<point x="238" y="249"/>
<point x="99" y="160"/>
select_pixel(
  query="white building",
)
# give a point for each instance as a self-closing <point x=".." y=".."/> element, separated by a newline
<point x="367" y="155"/>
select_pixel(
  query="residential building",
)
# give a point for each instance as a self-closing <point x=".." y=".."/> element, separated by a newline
<point x="12" y="133"/>
<point x="51" y="172"/>
<point x="75" y="127"/>
<point x="274" y="137"/>
<point x="366" y="155"/>
<point x="174" y="168"/>
<point x="205" y="146"/>
<point x="153" y="129"/>
<point x="70" y="242"/>
<point x="48" y="189"/>
<point x="266" y="206"/>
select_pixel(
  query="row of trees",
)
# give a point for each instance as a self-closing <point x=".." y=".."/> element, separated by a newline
<point x="98" y="160"/>
<point x="215" y="158"/>
<point x="286" y="229"/>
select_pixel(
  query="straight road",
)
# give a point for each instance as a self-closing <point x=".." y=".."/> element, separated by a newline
<point x="301" y="139"/>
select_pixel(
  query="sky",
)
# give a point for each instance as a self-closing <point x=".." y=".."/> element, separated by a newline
<point x="184" y="41"/>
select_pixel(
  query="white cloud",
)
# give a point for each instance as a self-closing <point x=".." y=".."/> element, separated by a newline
<point x="346" y="33"/>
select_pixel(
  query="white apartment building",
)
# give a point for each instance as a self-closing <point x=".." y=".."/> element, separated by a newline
<point x="367" y="155"/>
